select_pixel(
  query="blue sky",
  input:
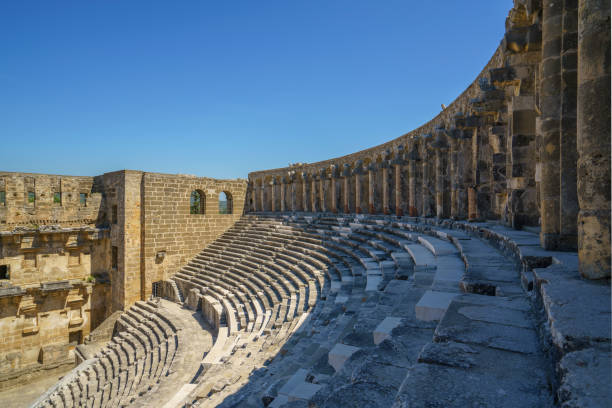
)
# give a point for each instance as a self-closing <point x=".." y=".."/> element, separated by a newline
<point x="222" y="88"/>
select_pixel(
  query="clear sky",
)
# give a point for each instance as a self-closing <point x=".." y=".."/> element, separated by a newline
<point x="222" y="88"/>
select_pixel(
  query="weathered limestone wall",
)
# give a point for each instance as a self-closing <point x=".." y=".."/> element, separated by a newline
<point x="505" y="149"/>
<point x="154" y="232"/>
<point x="171" y="235"/>
<point x="122" y="211"/>
<point x="67" y="266"/>
<point x="17" y="207"/>
<point x="55" y="276"/>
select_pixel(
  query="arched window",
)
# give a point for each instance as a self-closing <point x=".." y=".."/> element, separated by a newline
<point x="197" y="202"/>
<point x="225" y="203"/>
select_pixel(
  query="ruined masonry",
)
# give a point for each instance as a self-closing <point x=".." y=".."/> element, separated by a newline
<point x="463" y="264"/>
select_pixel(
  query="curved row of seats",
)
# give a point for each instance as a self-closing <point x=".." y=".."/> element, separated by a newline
<point x="135" y="360"/>
<point x="400" y="274"/>
<point x="300" y="296"/>
<point x="260" y="264"/>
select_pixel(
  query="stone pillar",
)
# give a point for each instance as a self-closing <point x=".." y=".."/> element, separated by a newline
<point x="427" y="181"/>
<point x="454" y="178"/>
<point x="282" y="193"/>
<point x="385" y="189"/>
<point x="332" y="184"/>
<point x="472" y="204"/>
<point x="371" y="182"/>
<point x="550" y="121"/>
<point x="398" y="164"/>
<point x="442" y="193"/>
<point x="594" y="138"/>
<point x="346" y="173"/>
<point x="263" y="195"/>
<point x="568" y="200"/>
<point x="313" y="192"/>
<point x="254" y="195"/>
<point x="292" y="178"/>
<point x="304" y="191"/>
<point x="412" y="177"/>
<point x="273" y="200"/>
<point x="357" y="191"/>
<point x="522" y="197"/>
<point x="462" y="169"/>
<point x="473" y="213"/>
<point x="322" y="190"/>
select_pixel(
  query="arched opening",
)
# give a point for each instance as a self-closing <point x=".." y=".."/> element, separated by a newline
<point x="197" y="202"/>
<point x="225" y="203"/>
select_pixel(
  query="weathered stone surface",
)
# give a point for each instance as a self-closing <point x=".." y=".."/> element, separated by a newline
<point x="503" y="332"/>
<point x="578" y="310"/>
<point x="586" y="378"/>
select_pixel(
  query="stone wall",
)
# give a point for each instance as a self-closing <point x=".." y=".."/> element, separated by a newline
<point x="51" y="277"/>
<point x="171" y="235"/>
<point x="40" y="199"/>
<point x="67" y="265"/>
<point x="152" y="228"/>
<point x="505" y="149"/>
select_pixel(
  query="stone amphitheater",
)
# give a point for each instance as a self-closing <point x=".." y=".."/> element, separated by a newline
<point x="463" y="264"/>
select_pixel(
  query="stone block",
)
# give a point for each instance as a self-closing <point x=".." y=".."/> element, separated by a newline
<point x="433" y="305"/>
<point x="296" y="388"/>
<point x="384" y="329"/>
<point x="339" y="354"/>
<point x="53" y="353"/>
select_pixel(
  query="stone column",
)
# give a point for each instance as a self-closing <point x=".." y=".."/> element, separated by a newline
<point x="263" y="195"/>
<point x="568" y="200"/>
<point x="322" y="190"/>
<point x="454" y="177"/>
<point x="412" y="177"/>
<point x="332" y="185"/>
<point x="293" y="193"/>
<point x="313" y="192"/>
<point x="385" y="188"/>
<point x="522" y="197"/>
<point x="594" y="138"/>
<point x="282" y="193"/>
<point x="358" y="171"/>
<point x="473" y="213"/>
<point x="398" y="164"/>
<point x="462" y="169"/>
<point x="346" y="173"/>
<point x="304" y="191"/>
<point x="254" y="195"/>
<point x="273" y="188"/>
<point x="550" y="121"/>
<point x="441" y="146"/>
<point x="427" y="179"/>
<point x="371" y="182"/>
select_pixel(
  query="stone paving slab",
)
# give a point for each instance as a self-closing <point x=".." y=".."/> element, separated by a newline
<point x="428" y="385"/>
<point x="587" y="378"/>
<point x="456" y="326"/>
<point x="578" y="310"/>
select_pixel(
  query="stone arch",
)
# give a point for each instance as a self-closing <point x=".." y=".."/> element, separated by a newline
<point x="226" y="202"/>
<point x="197" y="202"/>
